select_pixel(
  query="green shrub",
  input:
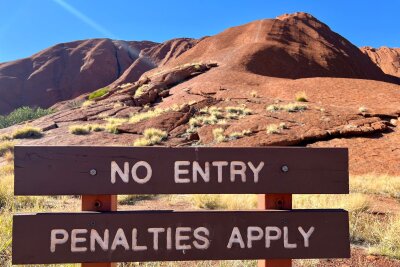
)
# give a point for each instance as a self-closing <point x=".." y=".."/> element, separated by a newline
<point x="27" y="132"/>
<point x="22" y="114"/>
<point x="98" y="93"/>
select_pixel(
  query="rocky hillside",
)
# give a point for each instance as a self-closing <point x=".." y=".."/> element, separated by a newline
<point x="237" y="88"/>
<point x="388" y="59"/>
<point x="68" y="70"/>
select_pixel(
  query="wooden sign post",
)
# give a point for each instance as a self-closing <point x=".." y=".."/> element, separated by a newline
<point x="100" y="235"/>
<point x="99" y="203"/>
<point x="275" y="202"/>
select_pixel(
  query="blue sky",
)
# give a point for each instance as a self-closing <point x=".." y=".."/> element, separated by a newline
<point x="28" y="26"/>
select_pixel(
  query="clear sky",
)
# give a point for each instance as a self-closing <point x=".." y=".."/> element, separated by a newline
<point x="28" y="26"/>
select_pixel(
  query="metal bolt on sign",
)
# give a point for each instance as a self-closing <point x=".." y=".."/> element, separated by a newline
<point x="93" y="172"/>
<point x="285" y="168"/>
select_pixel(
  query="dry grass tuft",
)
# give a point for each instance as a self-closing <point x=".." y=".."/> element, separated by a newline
<point x="5" y="147"/>
<point x="224" y="201"/>
<point x="152" y="136"/>
<point x="273" y="129"/>
<point x="79" y="129"/>
<point x="219" y="136"/>
<point x="301" y="97"/>
<point x="27" y="132"/>
<point x="377" y="184"/>
<point x="290" y="107"/>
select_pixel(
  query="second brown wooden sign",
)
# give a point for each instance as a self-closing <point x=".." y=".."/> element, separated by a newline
<point x="156" y="170"/>
<point x="165" y="235"/>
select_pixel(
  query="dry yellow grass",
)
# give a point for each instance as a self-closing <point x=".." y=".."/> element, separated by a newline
<point x="27" y="132"/>
<point x="384" y="185"/>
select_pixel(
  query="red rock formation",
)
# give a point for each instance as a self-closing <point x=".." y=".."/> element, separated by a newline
<point x="68" y="70"/>
<point x="290" y="46"/>
<point x="388" y="59"/>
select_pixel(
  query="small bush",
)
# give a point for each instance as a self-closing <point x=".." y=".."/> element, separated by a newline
<point x="238" y="135"/>
<point x="363" y="109"/>
<point x="290" y="107"/>
<point x="239" y="110"/>
<point x="283" y="125"/>
<point x="87" y="103"/>
<point x="6" y="146"/>
<point x="219" y="136"/>
<point x="273" y="108"/>
<point x="79" y="129"/>
<point x="27" y="132"/>
<point x="8" y="156"/>
<point x="5" y="137"/>
<point x="152" y="136"/>
<point x="254" y="94"/>
<point x="146" y="115"/>
<point x="98" y="93"/>
<point x="294" y="107"/>
<point x="23" y="114"/>
<point x="273" y="129"/>
<point x="301" y="97"/>
<point x="96" y="127"/>
<point x="141" y="90"/>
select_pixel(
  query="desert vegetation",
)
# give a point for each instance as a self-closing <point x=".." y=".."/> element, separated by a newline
<point x="290" y="107"/>
<point x="151" y="136"/>
<point x="98" y="93"/>
<point x="379" y="233"/>
<point x="21" y="115"/>
<point x="27" y="132"/>
<point x="301" y="96"/>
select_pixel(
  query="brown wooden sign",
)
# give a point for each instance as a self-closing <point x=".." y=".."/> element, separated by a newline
<point x="166" y="235"/>
<point x="157" y="170"/>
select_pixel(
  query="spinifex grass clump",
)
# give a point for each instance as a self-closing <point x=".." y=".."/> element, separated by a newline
<point x="290" y="107"/>
<point x="152" y="136"/>
<point x="301" y="97"/>
<point x="23" y="114"/>
<point x="6" y="146"/>
<point x="27" y="132"/>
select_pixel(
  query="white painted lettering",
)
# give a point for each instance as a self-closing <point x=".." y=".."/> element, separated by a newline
<point x="135" y="246"/>
<point x="256" y="170"/>
<point x="205" y="174"/>
<point x="102" y="241"/>
<point x="269" y="236"/>
<point x="253" y="233"/>
<point x="179" y="237"/>
<point x="124" y="175"/>
<point x="286" y="243"/>
<point x="56" y="240"/>
<point x="75" y="240"/>
<point x="179" y="171"/>
<point x="155" y="232"/>
<point x="120" y="240"/>
<point x="306" y="235"/>
<point x="201" y="234"/>
<point x="241" y="171"/>
<point x="236" y="237"/>
<point x="149" y="172"/>
<point x="220" y="165"/>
